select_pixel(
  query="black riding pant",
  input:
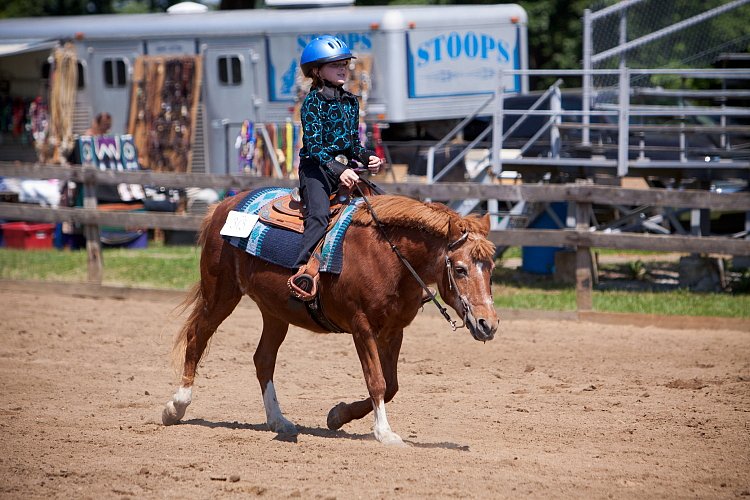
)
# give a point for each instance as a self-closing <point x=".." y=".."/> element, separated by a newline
<point x="315" y="188"/>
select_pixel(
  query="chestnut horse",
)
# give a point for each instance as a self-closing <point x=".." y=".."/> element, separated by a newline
<point x="373" y="298"/>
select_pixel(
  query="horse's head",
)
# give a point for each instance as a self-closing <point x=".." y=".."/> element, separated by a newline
<point x="465" y="282"/>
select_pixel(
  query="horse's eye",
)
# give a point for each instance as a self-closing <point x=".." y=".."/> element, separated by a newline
<point x="461" y="271"/>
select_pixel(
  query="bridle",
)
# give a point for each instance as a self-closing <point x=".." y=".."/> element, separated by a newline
<point x="452" y="282"/>
<point x="448" y="264"/>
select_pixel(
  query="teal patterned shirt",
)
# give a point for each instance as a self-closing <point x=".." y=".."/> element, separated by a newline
<point x="330" y="126"/>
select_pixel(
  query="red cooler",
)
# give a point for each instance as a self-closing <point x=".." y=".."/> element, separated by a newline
<point x="27" y="236"/>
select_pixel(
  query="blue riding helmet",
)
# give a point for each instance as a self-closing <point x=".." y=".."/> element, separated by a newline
<point x="321" y="50"/>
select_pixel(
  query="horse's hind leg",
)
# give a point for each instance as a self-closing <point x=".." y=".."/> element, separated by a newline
<point x="274" y="333"/>
<point x="204" y="319"/>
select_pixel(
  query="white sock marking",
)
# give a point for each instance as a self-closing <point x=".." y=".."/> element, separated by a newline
<point x="183" y="396"/>
<point x="381" y="420"/>
<point x="274" y="418"/>
<point x="175" y="408"/>
<point x="382" y="429"/>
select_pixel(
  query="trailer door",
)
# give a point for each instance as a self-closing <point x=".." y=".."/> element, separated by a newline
<point x="110" y="72"/>
<point x="230" y="96"/>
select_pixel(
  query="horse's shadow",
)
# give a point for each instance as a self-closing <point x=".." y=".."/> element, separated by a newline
<point x="314" y="431"/>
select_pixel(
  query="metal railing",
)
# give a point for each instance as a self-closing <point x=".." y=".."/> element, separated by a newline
<point x="624" y="118"/>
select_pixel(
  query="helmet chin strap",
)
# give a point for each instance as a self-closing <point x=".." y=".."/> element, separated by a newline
<point x="331" y="84"/>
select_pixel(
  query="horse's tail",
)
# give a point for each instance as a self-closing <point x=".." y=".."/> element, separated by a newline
<point x="193" y="299"/>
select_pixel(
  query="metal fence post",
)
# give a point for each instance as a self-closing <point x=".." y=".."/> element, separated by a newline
<point x="497" y="128"/>
<point x="586" y="102"/>
<point x="623" y="138"/>
<point x="430" y="168"/>
<point x="555" y="106"/>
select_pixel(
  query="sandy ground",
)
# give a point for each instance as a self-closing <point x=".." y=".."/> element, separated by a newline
<point x="551" y="408"/>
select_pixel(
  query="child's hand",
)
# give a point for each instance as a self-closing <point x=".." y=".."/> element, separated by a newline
<point x="348" y="178"/>
<point x="374" y="165"/>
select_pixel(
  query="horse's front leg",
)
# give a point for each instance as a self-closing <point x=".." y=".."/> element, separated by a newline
<point x="381" y="384"/>
<point x="343" y="413"/>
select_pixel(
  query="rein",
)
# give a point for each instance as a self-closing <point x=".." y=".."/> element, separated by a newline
<point x="406" y="263"/>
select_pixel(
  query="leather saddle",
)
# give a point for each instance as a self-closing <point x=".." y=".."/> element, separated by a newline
<point x="286" y="212"/>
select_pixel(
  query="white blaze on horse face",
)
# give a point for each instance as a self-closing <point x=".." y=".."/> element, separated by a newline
<point x="486" y="296"/>
<point x="274" y="418"/>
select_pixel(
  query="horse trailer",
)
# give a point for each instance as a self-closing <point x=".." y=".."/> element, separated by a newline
<point x="424" y="63"/>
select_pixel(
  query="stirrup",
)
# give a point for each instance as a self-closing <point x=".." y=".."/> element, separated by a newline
<point x="304" y="282"/>
<point x="303" y="286"/>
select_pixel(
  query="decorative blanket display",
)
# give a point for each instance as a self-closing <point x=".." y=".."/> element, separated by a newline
<point x="281" y="246"/>
<point x="108" y="152"/>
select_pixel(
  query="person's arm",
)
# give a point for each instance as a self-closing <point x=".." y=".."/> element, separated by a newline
<point x="312" y="127"/>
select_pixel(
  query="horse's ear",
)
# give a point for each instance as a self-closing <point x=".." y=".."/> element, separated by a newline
<point x="486" y="224"/>
<point x="455" y="231"/>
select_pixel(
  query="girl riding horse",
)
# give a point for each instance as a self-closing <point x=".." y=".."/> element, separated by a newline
<point x="330" y="126"/>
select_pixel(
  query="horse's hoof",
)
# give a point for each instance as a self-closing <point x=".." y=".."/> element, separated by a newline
<point x="335" y="420"/>
<point x="282" y="426"/>
<point x="391" y="439"/>
<point x="287" y="428"/>
<point x="172" y="414"/>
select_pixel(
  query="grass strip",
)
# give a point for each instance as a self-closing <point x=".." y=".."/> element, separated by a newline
<point x="158" y="266"/>
<point x="177" y="267"/>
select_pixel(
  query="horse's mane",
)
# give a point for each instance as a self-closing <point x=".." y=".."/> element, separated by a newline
<point x="433" y="218"/>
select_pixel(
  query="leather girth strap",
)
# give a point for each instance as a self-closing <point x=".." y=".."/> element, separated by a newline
<point x="315" y="310"/>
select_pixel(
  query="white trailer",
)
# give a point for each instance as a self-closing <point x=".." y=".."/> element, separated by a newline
<point x="428" y="62"/>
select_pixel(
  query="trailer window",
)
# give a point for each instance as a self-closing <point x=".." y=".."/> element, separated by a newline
<point x="230" y="70"/>
<point x="81" y="78"/>
<point x="114" y="73"/>
<point x="47" y="69"/>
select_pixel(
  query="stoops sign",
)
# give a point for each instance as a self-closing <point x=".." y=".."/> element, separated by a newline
<point x="284" y="54"/>
<point x="460" y="62"/>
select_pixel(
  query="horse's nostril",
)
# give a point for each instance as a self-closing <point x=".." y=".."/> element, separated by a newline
<point x="484" y="326"/>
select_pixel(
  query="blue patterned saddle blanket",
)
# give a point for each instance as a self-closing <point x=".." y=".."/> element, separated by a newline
<point x="281" y="246"/>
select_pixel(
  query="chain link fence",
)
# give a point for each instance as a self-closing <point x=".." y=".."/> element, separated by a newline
<point x="703" y="44"/>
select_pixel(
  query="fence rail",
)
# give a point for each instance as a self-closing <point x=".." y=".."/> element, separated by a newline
<point x="582" y="195"/>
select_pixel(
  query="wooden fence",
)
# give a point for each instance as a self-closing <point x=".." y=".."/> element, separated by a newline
<point x="581" y="237"/>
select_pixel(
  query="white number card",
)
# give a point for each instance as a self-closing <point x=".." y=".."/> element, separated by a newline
<point x="239" y="224"/>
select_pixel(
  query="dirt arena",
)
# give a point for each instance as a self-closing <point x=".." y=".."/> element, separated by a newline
<point x="550" y="408"/>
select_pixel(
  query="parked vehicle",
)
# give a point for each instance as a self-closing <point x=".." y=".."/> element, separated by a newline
<point x="425" y="63"/>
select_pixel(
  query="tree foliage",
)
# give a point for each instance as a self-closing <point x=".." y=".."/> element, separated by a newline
<point x="236" y="4"/>
<point x="26" y="8"/>
<point x="38" y="8"/>
<point x="555" y="27"/>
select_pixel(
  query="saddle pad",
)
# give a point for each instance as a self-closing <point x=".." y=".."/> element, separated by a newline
<point x="281" y="246"/>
